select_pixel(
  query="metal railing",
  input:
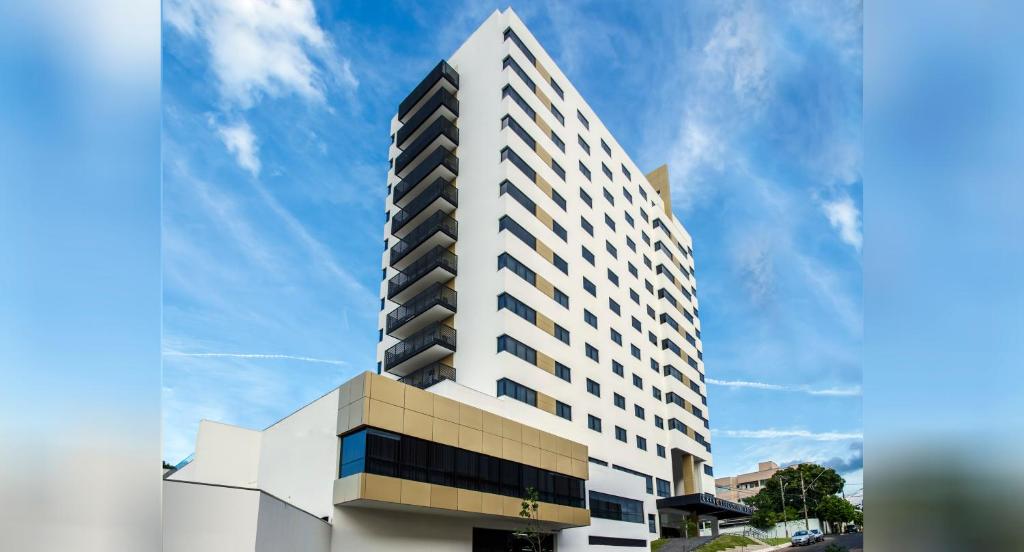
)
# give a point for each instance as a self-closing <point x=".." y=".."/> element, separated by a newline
<point x="440" y="127"/>
<point x="429" y="375"/>
<point x="437" y="257"/>
<point x="440" y="156"/>
<point x="440" y="71"/>
<point x="441" y="98"/>
<point x="434" y="334"/>
<point x="438" y="222"/>
<point x="440" y="188"/>
<point x="436" y="294"/>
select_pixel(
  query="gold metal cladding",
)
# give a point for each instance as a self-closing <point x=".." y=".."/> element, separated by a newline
<point x="544" y="251"/>
<point x="659" y="181"/>
<point x="542" y="124"/>
<point x="384" y="403"/>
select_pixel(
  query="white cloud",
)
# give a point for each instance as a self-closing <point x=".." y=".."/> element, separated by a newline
<point x="258" y="356"/>
<point x="829" y="391"/>
<point x="263" y="47"/>
<point x="736" y="52"/>
<point x="786" y="434"/>
<point x="844" y="216"/>
<point x="241" y="142"/>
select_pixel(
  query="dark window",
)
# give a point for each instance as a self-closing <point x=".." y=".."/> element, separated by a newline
<point x="511" y="35"/>
<point x="561" y="334"/>
<point x="560" y="263"/>
<point x="511" y="63"/>
<point x="655" y="392"/>
<point x="517" y="348"/>
<point x="589" y="287"/>
<point x="587" y="255"/>
<point x="558" y="115"/>
<point x="620" y="401"/>
<point x="506" y="223"/>
<point x="558" y="141"/>
<point x="641" y="443"/>
<point x="586" y="123"/>
<point x="559" y="230"/>
<point x="608" y="195"/>
<point x="561" y="298"/>
<point x="609" y="222"/>
<point x="519" y="392"/>
<point x="611" y="249"/>
<point x="593" y="387"/>
<point x="620" y="434"/>
<point x="709" y="470"/>
<point x="638" y="411"/>
<point x="638" y="382"/>
<point x="558" y="199"/>
<point x="636" y="323"/>
<point x="607" y="172"/>
<point x="592" y="353"/>
<point x="659" y="422"/>
<point x="625" y="171"/>
<point x="583" y="144"/>
<point x="558" y="169"/>
<point x="589" y="318"/>
<point x="617" y="369"/>
<point x="587" y="226"/>
<point x="661" y="451"/>
<point x="563" y="371"/>
<point x="584" y="170"/>
<point x="563" y="410"/>
<point x="613" y="278"/>
<point x="652" y="524"/>
<point x="510" y="92"/>
<point x="506" y="301"/>
<point x="614" y="307"/>
<point x="508" y="261"/>
<point x="616" y="336"/>
<point x="586" y="198"/>
<point x="664" y="488"/>
<point x="557" y="89"/>
<point x="635" y="351"/>
<point x="513" y="157"/>
<point x="593" y="422"/>
<point x="509" y="122"/>
<point x="604" y="146"/>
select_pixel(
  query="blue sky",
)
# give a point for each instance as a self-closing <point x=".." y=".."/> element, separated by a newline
<point x="275" y="154"/>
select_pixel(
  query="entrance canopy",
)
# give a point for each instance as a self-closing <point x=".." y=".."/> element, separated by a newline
<point x="705" y="504"/>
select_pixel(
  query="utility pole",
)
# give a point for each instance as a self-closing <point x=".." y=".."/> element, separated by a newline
<point x="782" y="495"/>
<point x="803" y="491"/>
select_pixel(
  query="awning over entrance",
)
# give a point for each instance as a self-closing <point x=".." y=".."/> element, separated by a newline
<point x="705" y="504"/>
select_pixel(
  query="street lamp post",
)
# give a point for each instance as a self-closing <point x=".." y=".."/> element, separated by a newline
<point x="782" y="494"/>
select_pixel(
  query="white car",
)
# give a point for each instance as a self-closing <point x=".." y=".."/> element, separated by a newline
<point x="818" y="537"/>
<point x="801" y="538"/>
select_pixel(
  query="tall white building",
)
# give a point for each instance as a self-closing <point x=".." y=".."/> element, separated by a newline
<point x="539" y="303"/>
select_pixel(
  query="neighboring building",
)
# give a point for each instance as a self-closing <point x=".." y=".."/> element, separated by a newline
<point x="737" y="487"/>
<point x="536" y="282"/>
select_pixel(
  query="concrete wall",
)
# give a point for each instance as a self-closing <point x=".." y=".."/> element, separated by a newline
<point x="284" y="527"/>
<point x="225" y="455"/>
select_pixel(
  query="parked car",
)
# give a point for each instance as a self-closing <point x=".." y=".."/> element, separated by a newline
<point x="801" y="538"/>
<point x="852" y="529"/>
<point x="818" y="537"/>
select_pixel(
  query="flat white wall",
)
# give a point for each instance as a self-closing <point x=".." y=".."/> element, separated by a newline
<point x="225" y="455"/>
<point x="203" y="518"/>
<point x="283" y="527"/>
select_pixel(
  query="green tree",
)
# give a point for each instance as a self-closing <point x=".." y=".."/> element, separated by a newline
<point x="858" y="517"/>
<point x="531" y="531"/>
<point x="818" y="481"/>
<point x="764" y="519"/>
<point x="835" y="510"/>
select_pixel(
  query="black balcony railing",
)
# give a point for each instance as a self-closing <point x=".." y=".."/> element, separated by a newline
<point x="440" y="189"/>
<point x="440" y="127"/>
<point x="440" y="156"/>
<point x="436" y="294"/>
<point x="441" y="98"/>
<point x="438" y="222"/>
<point x="438" y="257"/>
<point x="441" y="71"/>
<point x="436" y="334"/>
<point x="429" y="375"/>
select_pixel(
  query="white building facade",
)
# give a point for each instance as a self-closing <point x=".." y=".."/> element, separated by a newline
<point x="535" y="277"/>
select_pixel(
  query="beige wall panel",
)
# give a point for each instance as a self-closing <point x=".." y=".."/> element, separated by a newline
<point x="543" y="125"/>
<point x="360" y="387"/>
<point x="546" y="363"/>
<point x="531" y="456"/>
<point x="564" y="446"/>
<point x="358" y="412"/>
<point x="546" y="287"/>
<point x="471" y="439"/>
<point x="388" y="390"/>
<point x="579" y="451"/>
<point x="579" y="469"/>
<point x="470" y="501"/>
<point x="531" y="436"/>
<point x="543" y="185"/>
<point x="511" y="506"/>
<point x="342" y="426"/>
<point x="512" y="450"/>
<point x="416" y="493"/>
<point x="419" y="400"/>
<point x="470" y="416"/>
<point x="418" y="425"/>
<point x="547" y="441"/>
<point x="444" y="497"/>
<point x="512" y="430"/>
<point x="546" y="512"/>
<point x="446" y="409"/>
<point x="580" y="516"/>
<point x="492" y="445"/>
<point x="446" y="432"/>
<point x="544" y="250"/>
<point x="543" y="72"/>
<point x="565" y="514"/>
<point x="491" y="504"/>
<point x="543" y="154"/>
<point x="543" y="98"/>
<point x="344" y="391"/>
<point x="385" y="416"/>
<point x="563" y="464"/>
<point x="378" y="487"/>
<point x="546" y="403"/>
<point x="548" y="460"/>
<point x="546" y="324"/>
<point x="491" y="423"/>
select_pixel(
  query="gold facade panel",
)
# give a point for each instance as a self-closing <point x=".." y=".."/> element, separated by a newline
<point x="491" y="504"/>
<point x="418" y="425"/>
<point x="546" y="324"/>
<point x="419" y="400"/>
<point x="446" y="432"/>
<point x="385" y="416"/>
<point x="379" y="487"/>
<point x="444" y="497"/>
<point x="388" y="390"/>
<point x="470" y="416"/>
<point x="563" y="446"/>
<point x="563" y="464"/>
<point x="446" y="409"/>
<point x="470" y="501"/>
<point x="512" y="450"/>
<point x="546" y="363"/>
<point x="512" y="430"/>
<point x="546" y="403"/>
<point x="415" y="493"/>
<point x="491" y="423"/>
<point x="492" y="445"/>
<point x="531" y="455"/>
<point x="531" y="436"/>
<point x="471" y="439"/>
<point x="547" y="441"/>
<point x="579" y="451"/>
<point x="548" y="460"/>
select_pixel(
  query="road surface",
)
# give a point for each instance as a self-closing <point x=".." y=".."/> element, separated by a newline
<point x="854" y="542"/>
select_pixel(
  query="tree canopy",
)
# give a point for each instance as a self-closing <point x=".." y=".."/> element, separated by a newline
<point x="820" y="482"/>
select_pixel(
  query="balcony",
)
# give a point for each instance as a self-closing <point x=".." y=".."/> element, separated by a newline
<point x="439" y="196"/>
<point x="441" y="163"/>
<point x="426" y="346"/>
<point x="437" y="302"/>
<point x="436" y="265"/>
<point x="441" y="76"/>
<point x="441" y="104"/>
<point x="438" y="229"/>
<point x="441" y="132"/>
<point x="429" y="375"/>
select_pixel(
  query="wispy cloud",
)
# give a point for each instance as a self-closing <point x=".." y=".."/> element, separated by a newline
<point x="258" y="356"/>
<point x="241" y="142"/>
<point x="853" y="391"/>
<point x="263" y="48"/>
<point x="844" y="216"/>
<point x="786" y="434"/>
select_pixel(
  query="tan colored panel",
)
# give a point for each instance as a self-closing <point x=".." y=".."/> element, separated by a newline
<point x="579" y="451"/>
<point x="470" y="501"/>
<point x="491" y="503"/>
<point x="579" y="469"/>
<point x="471" y="439"/>
<point x="511" y="506"/>
<point x="565" y="514"/>
<point x="360" y="387"/>
<point x="385" y="416"/>
<point x="470" y="416"/>
<point x="548" y="460"/>
<point x="415" y="492"/>
<point x="546" y="324"/>
<point x="546" y="363"/>
<point x="358" y="413"/>
<point x="543" y="185"/>
<point x="544" y="217"/>
<point x="547" y="441"/>
<point x="512" y="450"/>
<point x="542" y="124"/>
<point x="492" y="445"/>
<point x="531" y="456"/>
<point x="580" y="517"/>
<point x="564" y="446"/>
<point x="446" y="432"/>
<point x="544" y="251"/>
<point x="546" y="511"/>
<point x="419" y="400"/>
<point x="540" y="69"/>
<point x="418" y="425"/>
<point x="387" y="390"/>
<point x="342" y="426"/>
<point x="542" y="153"/>
<point x="563" y="464"/>
<point x="343" y="394"/>
<point x="659" y="181"/>
<point x="543" y="98"/>
<point x="444" y="497"/>
<point x="491" y="423"/>
<point x="378" y="487"/>
<point x="546" y="287"/>
<point x="545" y="403"/>
<point x="512" y="430"/>
<point x="446" y="409"/>
<point x="531" y="436"/>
